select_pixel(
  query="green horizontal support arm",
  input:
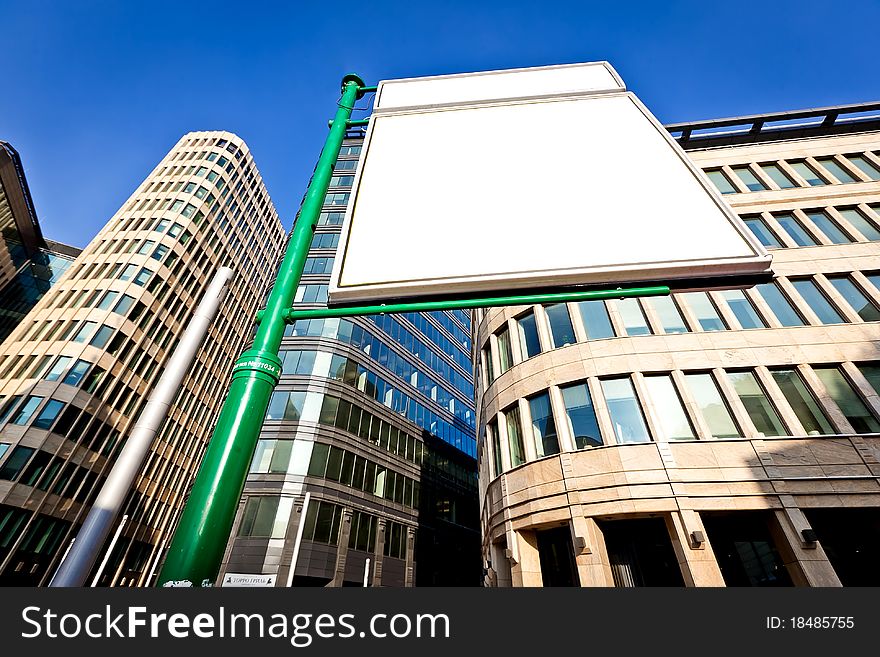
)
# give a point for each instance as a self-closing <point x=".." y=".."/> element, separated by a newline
<point x="358" y="123"/>
<point x="292" y="315"/>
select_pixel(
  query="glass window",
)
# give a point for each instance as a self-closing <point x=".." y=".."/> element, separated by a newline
<point x="866" y="167"/>
<point x="820" y="305"/>
<point x="581" y="416"/>
<point x="828" y="227"/>
<point x="160" y="252"/>
<point x="143" y="276"/>
<point x="123" y="305"/>
<point x="496" y="446"/>
<point x="546" y="440"/>
<point x="514" y="436"/>
<point x="26" y="411"/>
<point x="848" y="400"/>
<point x="625" y="412"/>
<point x="802" y="402"/>
<point x="855" y="298"/>
<point x="721" y="182"/>
<point x="77" y="372"/>
<point x="58" y="368"/>
<point x="341" y="181"/>
<point x="318" y="265"/>
<point x="505" y="353"/>
<point x="778" y="176"/>
<point x="331" y="218"/>
<point x="758" y="406"/>
<point x="48" y="414"/>
<point x="669" y="315"/>
<point x="835" y="169"/>
<point x="490" y="369"/>
<point x="318" y="461"/>
<point x="806" y="172"/>
<point x="749" y="179"/>
<point x="296" y="361"/>
<point x="102" y="337"/>
<point x="762" y="232"/>
<point x="265" y="516"/>
<point x="10" y="406"/>
<point x="596" y="321"/>
<point x="286" y="405"/>
<point x="705" y="311"/>
<point x="93" y="379"/>
<point x="674" y="422"/>
<point x="85" y="331"/>
<point x="795" y="230"/>
<point x="717" y="416"/>
<point x="528" y="335"/>
<point x="779" y="304"/>
<point x="743" y="309"/>
<point x="561" y="331"/>
<point x="107" y="300"/>
<point x="871" y="371"/>
<point x="16" y="462"/>
<point x="146" y="247"/>
<point x="633" y="318"/>
<point x="875" y="280"/>
<point x="860" y="223"/>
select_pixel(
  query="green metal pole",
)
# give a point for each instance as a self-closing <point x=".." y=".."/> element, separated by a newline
<point x="488" y="302"/>
<point x="197" y="547"/>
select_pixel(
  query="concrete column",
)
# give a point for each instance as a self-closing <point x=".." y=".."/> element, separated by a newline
<point x="525" y="564"/>
<point x="807" y="563"/>
<point x="342" y="549"/>
<point x="542" y="323"/>
<point x="410" y="578"/>
<point x="379" y="552"/>
<point x="590" y="553"/>
<point x="515" y="346"/>
<point x="735" y="180"/>
<point x="560" y="419"/>
<point x="781" y="234"/>
<point x="698" y="564"/>
<point x="500" y="569"/>
<point x="811" y="228"/>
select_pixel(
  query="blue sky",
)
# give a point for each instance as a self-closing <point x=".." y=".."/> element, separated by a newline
<point x="95" y="93"/>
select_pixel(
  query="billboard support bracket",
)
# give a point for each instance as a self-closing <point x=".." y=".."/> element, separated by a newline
<point x="291" y="315"/>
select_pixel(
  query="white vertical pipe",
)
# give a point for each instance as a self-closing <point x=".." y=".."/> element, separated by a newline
<point x="109" y="550"/>
<point x="78" y="562"/>
<point x="298" y="539"/>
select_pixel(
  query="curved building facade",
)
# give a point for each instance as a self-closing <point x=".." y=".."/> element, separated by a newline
<point x="374" y="419"/>
<point x="704" y="439"/>
<point x="79" y="368"/>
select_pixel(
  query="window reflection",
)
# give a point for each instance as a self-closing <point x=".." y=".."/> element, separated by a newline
<point x="625" y="412"/>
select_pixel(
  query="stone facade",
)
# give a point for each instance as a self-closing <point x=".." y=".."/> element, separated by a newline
<point x="759" y="504"/>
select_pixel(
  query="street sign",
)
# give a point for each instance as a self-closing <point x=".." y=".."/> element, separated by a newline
<point x="541" y="178"/>
<point x="248" y="580"/>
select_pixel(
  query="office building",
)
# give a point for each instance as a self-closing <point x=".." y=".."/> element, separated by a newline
<point x="374" y="419"/>
<point x="79" y="368"/>
<point x="29" y="263"/>
<point x="716" y="438"/>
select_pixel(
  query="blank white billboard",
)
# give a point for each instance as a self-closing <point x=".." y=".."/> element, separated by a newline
<point x="559" y="186"/>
